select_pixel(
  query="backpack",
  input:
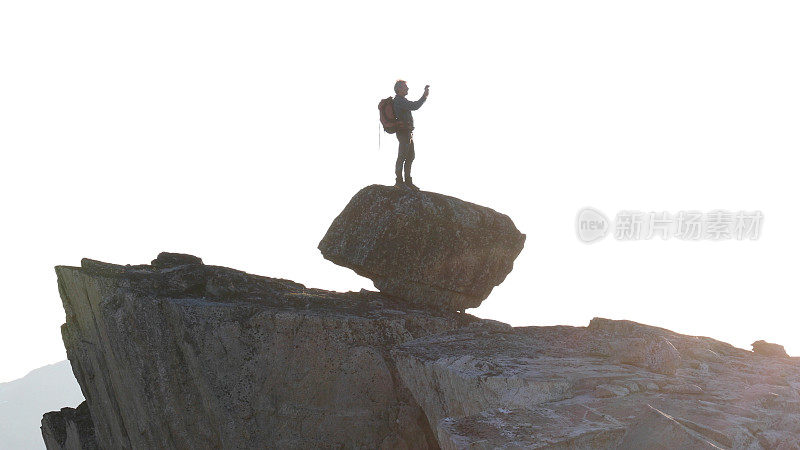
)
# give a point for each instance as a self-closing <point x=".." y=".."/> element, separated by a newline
<point x="388" y="119"/>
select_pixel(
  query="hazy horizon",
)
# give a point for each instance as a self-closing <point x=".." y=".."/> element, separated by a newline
<point x="25" y="400"/>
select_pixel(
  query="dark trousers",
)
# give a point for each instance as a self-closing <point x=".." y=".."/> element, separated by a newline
<point x="405" y="154"/>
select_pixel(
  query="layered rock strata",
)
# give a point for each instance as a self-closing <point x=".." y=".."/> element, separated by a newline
<point x="613" y="384"/>
<point x="178" y="354"/>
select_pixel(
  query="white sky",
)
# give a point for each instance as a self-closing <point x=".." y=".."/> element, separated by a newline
<point x="237" y="131"/>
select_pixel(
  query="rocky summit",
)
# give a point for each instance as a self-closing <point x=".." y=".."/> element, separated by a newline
<point x="424" y="248"/>
<point x="178" y="354"/>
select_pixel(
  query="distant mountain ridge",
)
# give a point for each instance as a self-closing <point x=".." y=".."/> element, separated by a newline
<point x="24" y="400"/>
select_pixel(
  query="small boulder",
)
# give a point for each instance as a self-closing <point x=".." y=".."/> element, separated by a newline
<point x="166" y="260"/>
<point x="628" y="342"/>
<point x="662" y="357"/>
<point x="765" y="348"/>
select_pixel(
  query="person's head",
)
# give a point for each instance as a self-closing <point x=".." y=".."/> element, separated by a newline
<point x="400" y="87"/>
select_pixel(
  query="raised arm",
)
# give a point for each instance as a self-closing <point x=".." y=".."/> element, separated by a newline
<point x="404" y="103"/>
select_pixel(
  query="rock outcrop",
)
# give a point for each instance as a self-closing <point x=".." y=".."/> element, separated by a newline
<point x="69" y="429"/>
<point x="424" y="248"/>
<point x="178" y="354"/>
<point x="765" y="348"/>
<point x="613" y="384"/>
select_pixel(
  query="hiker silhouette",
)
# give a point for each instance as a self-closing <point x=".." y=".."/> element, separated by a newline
<point x="404" y="128"/>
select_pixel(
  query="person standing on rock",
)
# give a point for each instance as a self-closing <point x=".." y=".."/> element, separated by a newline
<point x="405" y="136"/>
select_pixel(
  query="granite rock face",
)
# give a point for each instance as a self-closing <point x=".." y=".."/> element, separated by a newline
<point x="613" y="384"/>
<point x="654" y="429"/>
<point x="424" y="248"/>
<point x="179" y="354"/>
<point x="532" y="427"/>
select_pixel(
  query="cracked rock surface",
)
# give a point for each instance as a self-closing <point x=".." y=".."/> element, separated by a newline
<point x="178" y="354"/>
<point x="613" y="384"/>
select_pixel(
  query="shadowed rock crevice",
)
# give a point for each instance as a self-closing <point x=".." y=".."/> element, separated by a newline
<point x="69" y="429"/>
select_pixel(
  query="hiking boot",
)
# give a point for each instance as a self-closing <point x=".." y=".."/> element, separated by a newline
<point x="398" y="183"/>
<point x="410" y="184"/>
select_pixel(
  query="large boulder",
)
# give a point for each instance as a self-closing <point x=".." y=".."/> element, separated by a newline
<point x="425" y="248"/>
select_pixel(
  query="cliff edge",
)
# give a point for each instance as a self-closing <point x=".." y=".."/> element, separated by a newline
<point x="179" y="354"/>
